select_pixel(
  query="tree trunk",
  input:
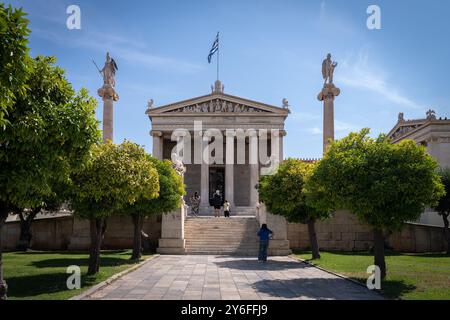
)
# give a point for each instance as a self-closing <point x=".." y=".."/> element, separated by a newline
<point x="4" y="211"/>
<point x="446" y="230"/>
<point x="97" y="229"/>
<point x="137" y="240"/>
<point x="25" y="228"/>
<point x="379" y="251"/>
<point x="313" y="239"/>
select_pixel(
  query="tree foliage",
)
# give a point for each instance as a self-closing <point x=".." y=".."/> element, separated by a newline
<point x="443" y="205"/>
<point x="14" y="59"/>
<point x="116" y="177"/>
<point x="384" y="184"/>
<point x="171" y="190"/>
<point x="283" y="193"/>
<point x="51" y="131"/>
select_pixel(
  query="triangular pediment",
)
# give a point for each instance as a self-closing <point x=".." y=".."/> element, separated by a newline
<point x="217" y="104"/>
<point x="404" y="127"/>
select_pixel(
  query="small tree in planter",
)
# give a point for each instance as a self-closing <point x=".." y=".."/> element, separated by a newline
<point x="117" y="176"/>
<point x="283" y="193"/>
<point x="384" y="184"/>
<point x="171" y="190"/>
<point x="443" y="207"/>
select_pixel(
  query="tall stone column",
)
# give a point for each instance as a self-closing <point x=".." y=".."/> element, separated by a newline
<point x="108" y="95"/>
<point x="254" y="167"/>
<point x="204" y="174"/>
<point x="327" y="95"/>
<point x="229" y="167"/>
<point x="157" y="144"/>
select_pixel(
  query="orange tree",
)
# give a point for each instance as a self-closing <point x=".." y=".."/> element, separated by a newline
<point x="283" y="193"/>
<point x="116" y="176"/>
<point x="384" y="184"/>
<point x="171" y="190"/>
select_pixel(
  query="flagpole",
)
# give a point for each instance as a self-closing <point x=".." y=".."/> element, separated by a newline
<point x="218" y="54"/>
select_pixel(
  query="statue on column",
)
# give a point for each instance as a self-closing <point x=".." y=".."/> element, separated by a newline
<point x="328" y="67"/>
<point x="109" y="71"/>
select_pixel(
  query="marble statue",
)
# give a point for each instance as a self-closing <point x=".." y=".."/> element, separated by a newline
<point x="328" y="67"/>
<point x="431" y="114"/>
<point x="178" y="164"/>
<point x="401" y="117"/>
<point x="150" y="104"/>
<point x="285" y="103"/>
<point x="109" y="71"/>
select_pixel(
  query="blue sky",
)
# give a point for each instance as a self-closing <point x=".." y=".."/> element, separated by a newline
<point x="270" y="50"/>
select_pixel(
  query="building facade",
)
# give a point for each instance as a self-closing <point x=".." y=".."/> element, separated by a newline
<point x="434" y="134"/>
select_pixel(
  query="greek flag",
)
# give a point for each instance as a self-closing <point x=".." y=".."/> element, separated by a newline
<point x="214" y="48"/>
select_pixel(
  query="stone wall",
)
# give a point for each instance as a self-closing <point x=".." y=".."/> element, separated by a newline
<point x="344" y="232"/>
<point x="60" y="233"/>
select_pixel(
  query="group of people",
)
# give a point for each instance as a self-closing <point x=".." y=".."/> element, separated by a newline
<point x="216" y="203"/>
<point x="264" y="233"/>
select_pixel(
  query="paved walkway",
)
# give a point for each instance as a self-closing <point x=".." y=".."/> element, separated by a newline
<point x="195" y="277"/>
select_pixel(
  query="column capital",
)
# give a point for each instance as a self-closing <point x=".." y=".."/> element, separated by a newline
<point x="329" y="92"/>
<point x="155" y="133"/>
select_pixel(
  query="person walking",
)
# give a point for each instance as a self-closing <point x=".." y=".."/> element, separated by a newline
<point x="226" y="209"/>
<point x="217" y="203"/>
<point x="264" y="235"/>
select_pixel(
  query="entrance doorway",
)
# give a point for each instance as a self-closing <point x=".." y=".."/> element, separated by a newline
<point x="216" y="181"/>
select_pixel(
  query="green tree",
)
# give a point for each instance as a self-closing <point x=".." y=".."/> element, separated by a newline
<point x="116" y="176"/>
<point x="14" y="58"/>
<point x="171" y="190"/>
<point x="443" y="206"/>
<point x="51" y="203"/>
<point x="283" y="193"/>
<point x="49" y="135"/>
<point x="384" y="184"/>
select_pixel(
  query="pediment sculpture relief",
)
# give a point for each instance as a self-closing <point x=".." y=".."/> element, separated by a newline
<point x="218" y="105"/>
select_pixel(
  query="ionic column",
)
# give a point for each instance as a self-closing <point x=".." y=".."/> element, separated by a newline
<point x="229" y="166"/>
<point x="157" y="144"/>
<point x="327" y="95"/>
<point x="205" y="173"/>
<point x="254" y="166"/>
<point x="281" y="135"/>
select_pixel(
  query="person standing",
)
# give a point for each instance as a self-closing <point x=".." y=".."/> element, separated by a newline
<point x="226" y="209"/>
<point x="264" y="235"/>
<point x="217" y="203"/>
<point x="195" y="204"/>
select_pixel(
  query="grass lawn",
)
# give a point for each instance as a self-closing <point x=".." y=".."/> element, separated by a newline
<point x="42" y="275"/>
<point x="409" y="276"/>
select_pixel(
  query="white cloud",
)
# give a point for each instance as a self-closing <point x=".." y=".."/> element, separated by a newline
<point x="360" y="74"/>
<point x="315" y="130"/>
<point x="122" y="49"/>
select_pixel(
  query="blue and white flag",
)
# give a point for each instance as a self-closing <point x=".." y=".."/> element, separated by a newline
<point x="214" y="48"/>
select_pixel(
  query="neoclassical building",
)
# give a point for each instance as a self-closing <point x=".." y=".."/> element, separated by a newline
<point x="434" y="134"/>
<point x="247" y="136"/>
<point x="225" y="144"/>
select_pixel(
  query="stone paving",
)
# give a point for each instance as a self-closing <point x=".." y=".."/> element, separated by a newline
<point x="206" y="277"/>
